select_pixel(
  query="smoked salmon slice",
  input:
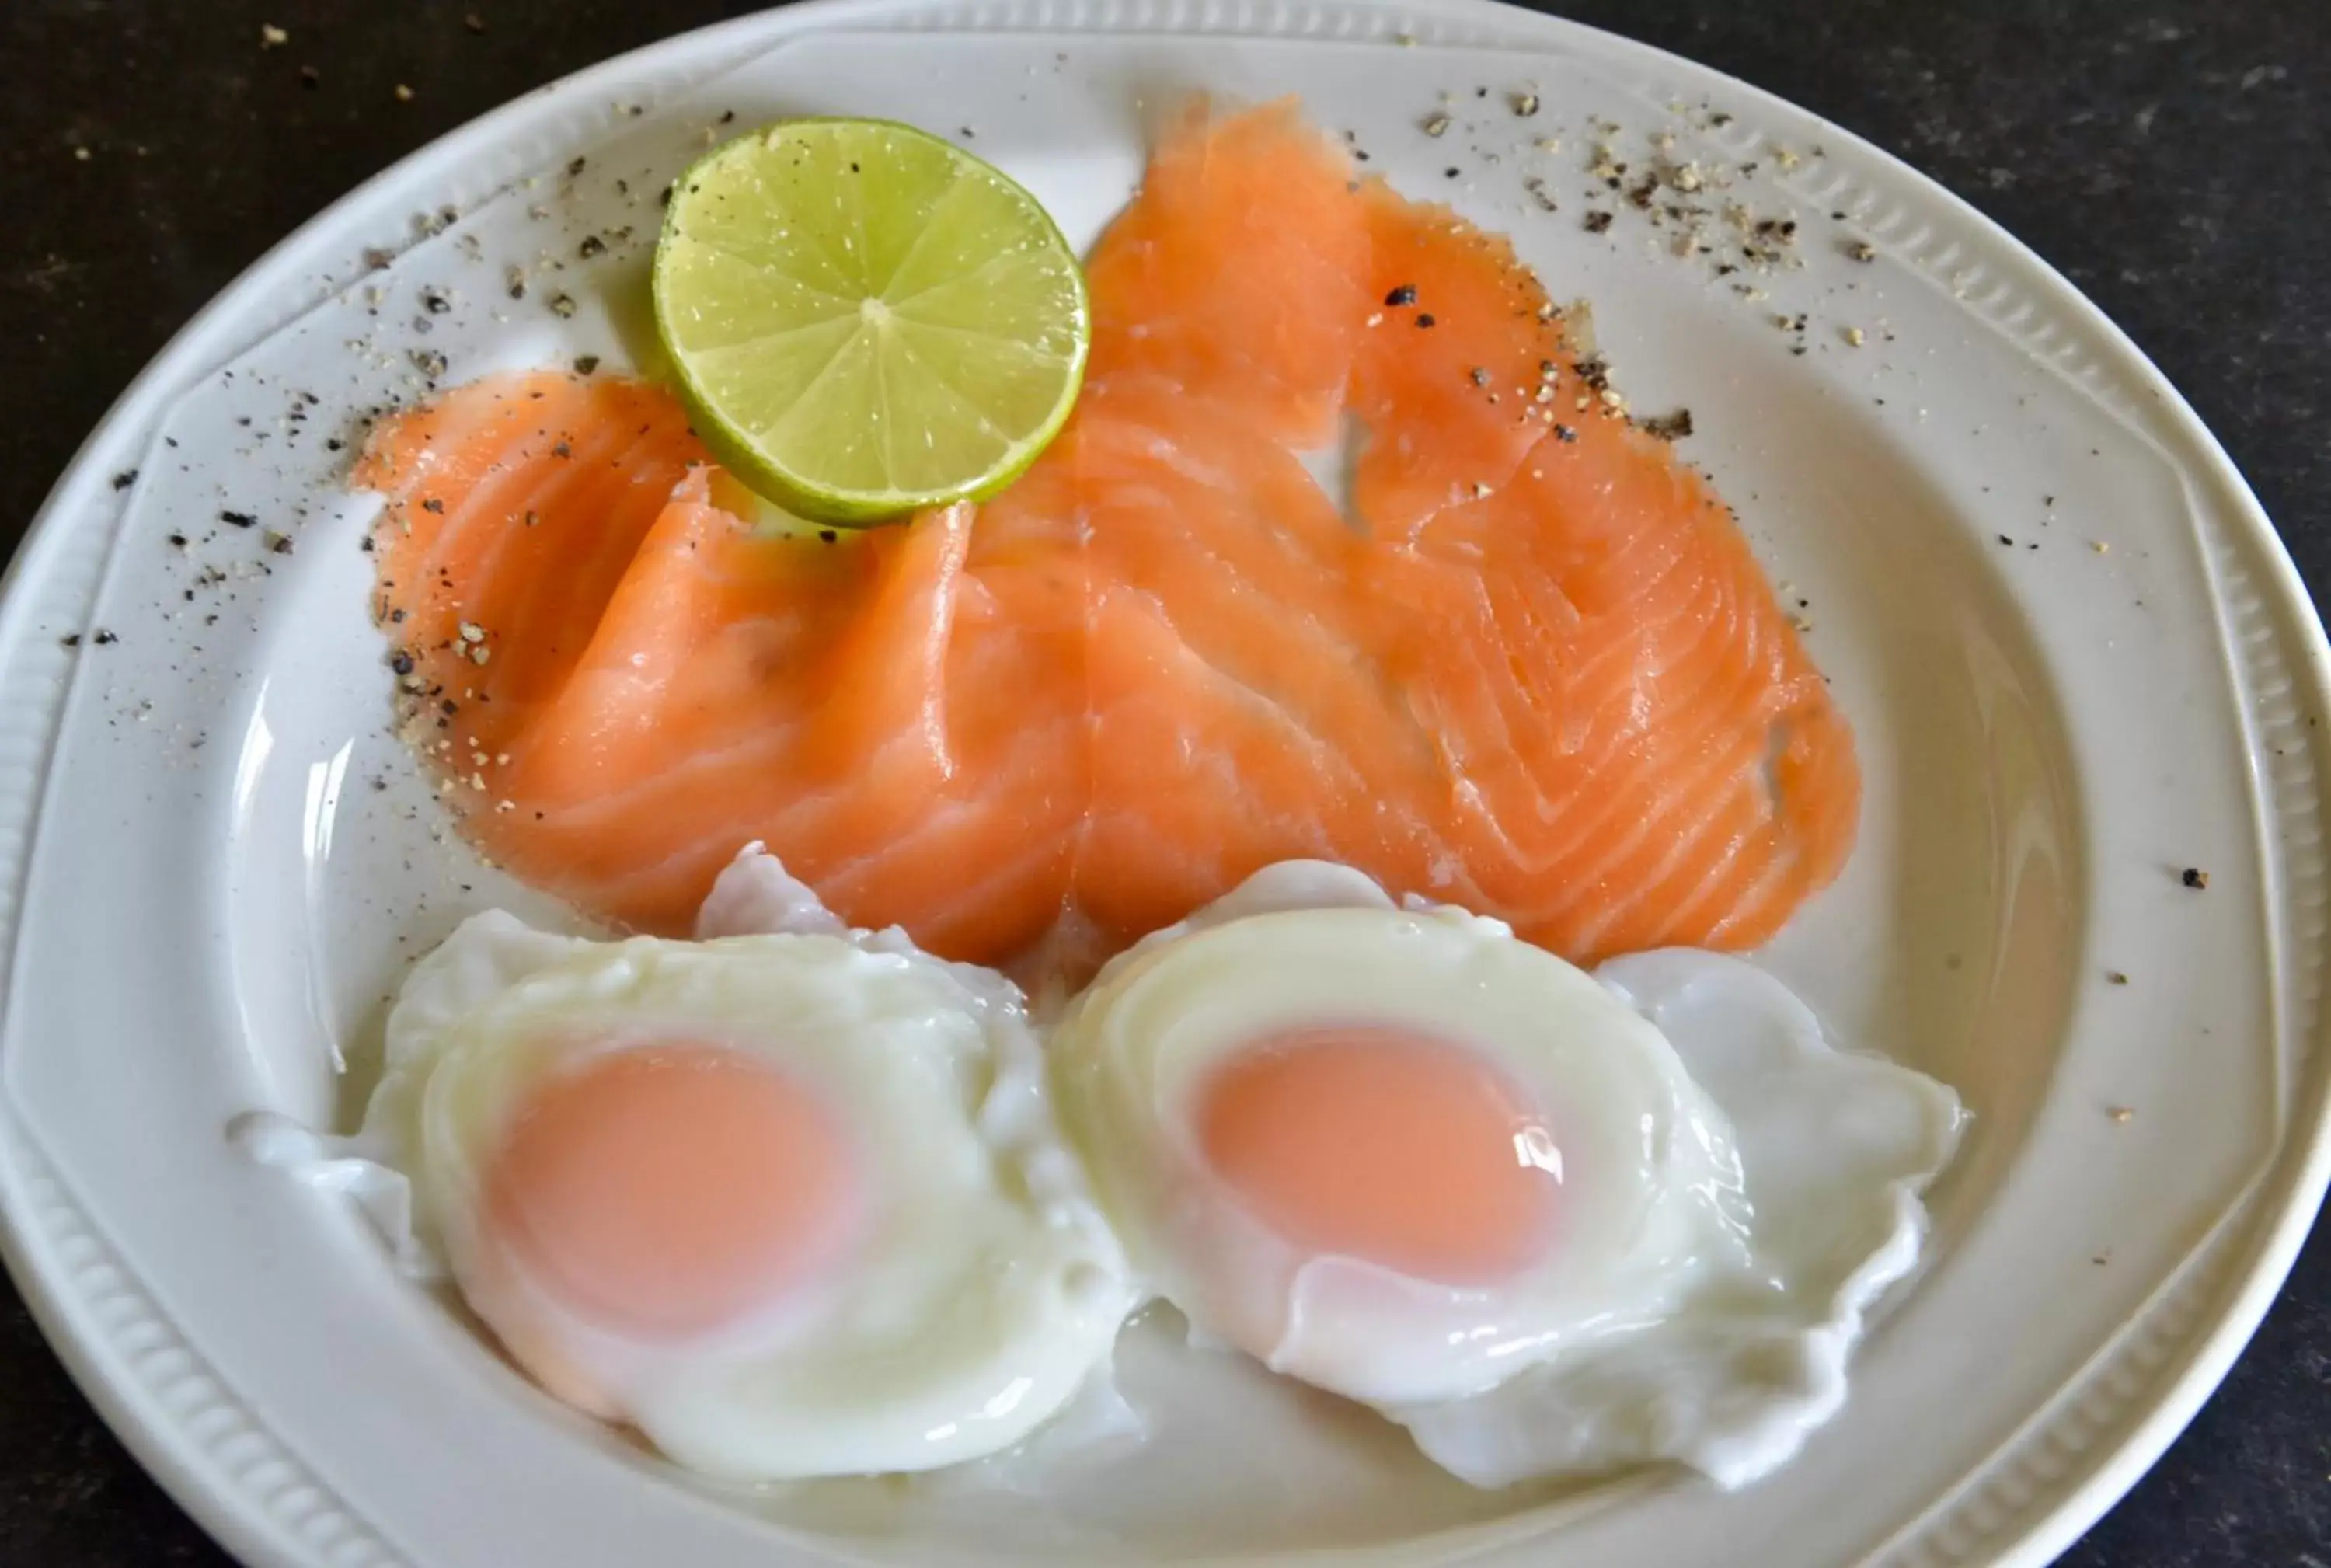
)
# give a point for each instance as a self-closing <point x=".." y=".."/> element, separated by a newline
<point x="1241" y="271"/>
<point x="1536" y="671"/>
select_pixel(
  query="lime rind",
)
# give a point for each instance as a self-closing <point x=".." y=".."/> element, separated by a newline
<point x="865" y="319"/>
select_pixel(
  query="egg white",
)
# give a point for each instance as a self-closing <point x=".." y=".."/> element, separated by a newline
<point x="1735" y="1192"/>
<point x="1649" y="1199"/>
<point x="1835" y="1148"/>
<point x="983" y="1289"/>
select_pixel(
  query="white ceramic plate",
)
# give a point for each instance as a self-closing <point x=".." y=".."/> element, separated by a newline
<point x="2077" y="658"/>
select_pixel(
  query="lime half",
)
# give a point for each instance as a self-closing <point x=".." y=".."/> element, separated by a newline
<point x="866" y="319"/>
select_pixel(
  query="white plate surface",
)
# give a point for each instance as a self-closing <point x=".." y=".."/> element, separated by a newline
<point x="2076" y="657"/>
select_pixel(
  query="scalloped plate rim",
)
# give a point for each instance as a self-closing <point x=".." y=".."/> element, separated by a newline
<point x="2273" y="1221"/>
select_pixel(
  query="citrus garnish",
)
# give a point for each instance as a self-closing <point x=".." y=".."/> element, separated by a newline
<point x="866" y="319"/>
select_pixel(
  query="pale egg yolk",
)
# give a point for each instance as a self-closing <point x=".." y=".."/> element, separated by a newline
<point x="670" y="1189"/>
<point x="1394" y="1148"/>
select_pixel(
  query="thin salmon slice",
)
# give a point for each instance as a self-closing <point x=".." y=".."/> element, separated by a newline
<point x="1446" y="386"/>
<point x="1537" y="671"/>
<point x="1241" y="271"/>
<point x="1616" y="694"/>
<point x="719" y="686"/>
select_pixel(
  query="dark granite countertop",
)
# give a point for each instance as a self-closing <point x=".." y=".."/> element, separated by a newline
<point x="2172" y="156"/>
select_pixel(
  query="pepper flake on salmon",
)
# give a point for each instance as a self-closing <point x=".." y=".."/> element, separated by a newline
<point x="1538" y="672"/>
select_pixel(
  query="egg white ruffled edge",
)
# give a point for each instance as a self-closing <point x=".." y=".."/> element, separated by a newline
<point x="1552" y="1417"/>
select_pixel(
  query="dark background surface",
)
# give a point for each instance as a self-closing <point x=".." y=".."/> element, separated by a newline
<point x="2172" y="156"/>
